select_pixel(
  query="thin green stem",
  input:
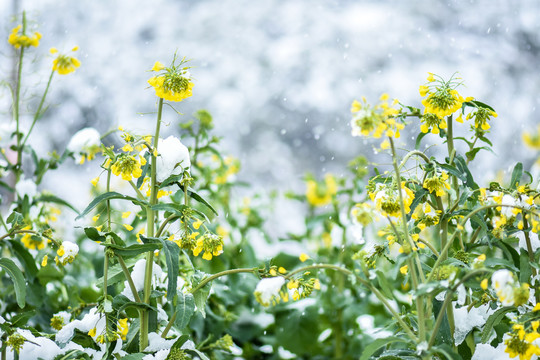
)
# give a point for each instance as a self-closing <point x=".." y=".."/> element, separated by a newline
<point x="150" y="224"/>
<point x="38" y="113"/>
<point x="165" y="222"/>
<point x="413" y="153"/>
<point x="16" y="108"/>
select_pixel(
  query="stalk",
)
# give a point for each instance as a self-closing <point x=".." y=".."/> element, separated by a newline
<point x="150" y="219"/>
<point x="16" y="114"/>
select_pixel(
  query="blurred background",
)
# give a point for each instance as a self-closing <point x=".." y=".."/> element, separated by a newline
<point x="279" y="77"/>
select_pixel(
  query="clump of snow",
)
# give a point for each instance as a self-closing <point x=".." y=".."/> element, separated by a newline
<point x="267" y="289"/>
<point x="488" y="352"/>
<point x="138" y="278"/>
<point x="173" y="158"/>
<point x="84" y="142"/>
<point x="91" y="320"/>
<point x="467" y="320"/>
<point x="26" y="187"/>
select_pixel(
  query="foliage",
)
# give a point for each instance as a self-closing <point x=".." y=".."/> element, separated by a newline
<point x="417" y="261"/>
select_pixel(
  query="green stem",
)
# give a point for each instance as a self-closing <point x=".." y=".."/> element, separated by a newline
<point x="16" y="109"/>
<point x="165" y="222"/>
<point x="150" y="224"/>
<point x="38" y="113"/>
<point x="413" y="153"/>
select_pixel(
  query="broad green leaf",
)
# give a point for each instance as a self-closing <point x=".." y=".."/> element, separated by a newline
<point x="93" y="234"/>
<point x="136" y="356"/>
<point x="172" y="254"/>
<point x="26" y="259"/>
<point x="200" y="295"/>
<point x="525" y="270"/>
<point x="18" y="280"/>
<point x="133" y="250"/>
<point x="110" y="196"/>
<point x="185" y="308"/>
<point x="493" y="320"/>
<point x="385" y="286"/>
<point x="56" y="200"/>
<point x="516" y="176"/>
<point x="462" y="166"/>
<point x="377" y="344"/>
<point x="444" y="335"/>
<point x="447" y="351"/>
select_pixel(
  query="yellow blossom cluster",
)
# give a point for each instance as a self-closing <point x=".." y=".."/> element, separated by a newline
<point x="20" y="40"/>
<point x="127" y="166"/>
<point x="522" y="342"/>
<point x="321" y="193"/>
<point x="386" y="199"/>
<point x="173" y="83"/>
<point x="437" y="183"/>
<point x="65" y="64"/>
<point x="376" y="121"/>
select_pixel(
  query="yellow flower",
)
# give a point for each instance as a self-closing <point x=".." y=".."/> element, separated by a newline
<point x="65" y="64"/>
<point x="174" y="84"/>
<point x="128" y="227"/>
<point x="210" y="244"/>
<point x="318" y="194"/>
<point x="20" y="40"/>
<point x="437" y="183"/>
<point x="123" y="328"/>
<point x="442" y="100"/>
<point x="197" y="224"/>
<point x="127" y="166"/>
<point x="95" y="181"/>
<point x="484" y="284"/>
<point x="404" y="269"/>
<point x="32" y="241"/>
<point x="126" y="214"/>
<point x="303" y="257"/>
<point x="44" y="261"/>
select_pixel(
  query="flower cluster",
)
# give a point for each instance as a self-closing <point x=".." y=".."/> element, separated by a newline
<point x="376" y="121"/>
<point x="20" y="40"/>
<point x="523" y="343"/>
<point x="65" y="64"/>
<point x="320" y="194"/>
<point x="172" y="83"/>
<point x="386" y="198"/>
<point x="437" y="183"/>
<point x="210" y="244"/>
<point x="66" y="253"/>
<point x="441" y="97"/>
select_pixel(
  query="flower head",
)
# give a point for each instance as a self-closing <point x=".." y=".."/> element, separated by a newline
<point x="437" y="183"/>
<point x="66" y="253"/>
<point x="210" y="244"/>
<point x="532" y="140"/>
<point x="320" y="194"/>
<point x="172" y="83"/>
<point x="441" y="97"/>
<point x="387" y="201"/>
<point x="128" y="166"/>
<point x="376" y="121"/>
<point x="18" y="40"/>
<point x="65" y="64"/>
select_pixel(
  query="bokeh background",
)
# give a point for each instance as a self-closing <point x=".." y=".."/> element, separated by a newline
<point x="279" y="76"/>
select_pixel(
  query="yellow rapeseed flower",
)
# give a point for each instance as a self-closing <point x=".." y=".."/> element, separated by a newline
<point x="18" y="40"/>
<point x="320" y="194"/>
<point x="172" y="83"/>
<point x="65" y="64"/>
<point x="128" y="167"/>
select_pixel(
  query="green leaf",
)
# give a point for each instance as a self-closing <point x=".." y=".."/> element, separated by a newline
<point x="179" y="342"/>
<point x="200" y="295"/>
<point x="173" y="208"/>
<point x="110" y="196"/>
<point x="133" y="250"/>
<point x="56" y="200"/>
<point x="15" y="218"/>
<point x="377" y="344"/>
<point x="419" y="140"/>
<point x="447" y="351"/>
<point x="524" y="267"/>
<point x="516" y="176"/>
<point x="444" y="335"/>
<point x="93" y="234"/>
<point x="26" y="259"/>
<point x="197" y="353"/>
<point x="462" y="166"/>
<point x="21" y="319"/>
<point x="185" y="308"/>
<point x="493" y="320"/>
<point x="385" y="286"/>
<point x="18" y="280"/>
<point x="137" y="356"/>
<point x="172" y="254"/>
<point x="75" y="355"/>
<point x="200" y="199"/>
<point x="453" y="171"/>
